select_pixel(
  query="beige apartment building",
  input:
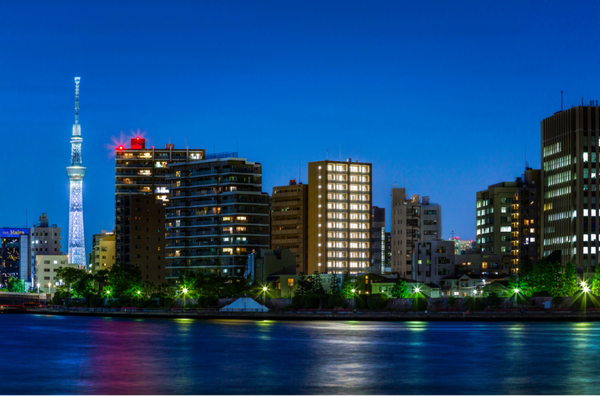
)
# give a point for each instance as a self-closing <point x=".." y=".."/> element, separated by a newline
<point x="406" y="231"/>
<point x="289" y="222"/>
<point x="46" y="266"/>
<point x="103" y="252"/>
<point x="339" y="216"/>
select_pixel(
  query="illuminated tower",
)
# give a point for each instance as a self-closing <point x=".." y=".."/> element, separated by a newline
<point x="76" y="172"/>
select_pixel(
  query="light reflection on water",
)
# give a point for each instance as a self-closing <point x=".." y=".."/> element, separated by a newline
<point x="189" y="356"/>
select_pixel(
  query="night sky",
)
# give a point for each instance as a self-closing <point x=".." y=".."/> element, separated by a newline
<point x="442" y="97"/>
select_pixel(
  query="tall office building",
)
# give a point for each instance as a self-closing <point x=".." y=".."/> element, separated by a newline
<point x="45" y="239"/>
<point x="378" y="242"/>
<point x="289" y="222"/>
<point x="493" y="207"/>
<point x="76" y="173"/>
<point x="570" y="191"/>
<point x="525" y="222"/>
<point x="141" y="194"/>
<point x="217" y="215"/>
<point x="339" y="216"/>
<point x="413" y="220"/>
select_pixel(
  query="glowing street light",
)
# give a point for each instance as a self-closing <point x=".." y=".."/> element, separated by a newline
<point x="516" y="291"/>
<point x="264" y="288"/>
<point x="353" y="291"/>
<point x="417" y="289"/>
<point x="185" y="290"/>
<point x="586" y="289"/>
<point x="139" y="292"/>
<point x="583" y="284"/>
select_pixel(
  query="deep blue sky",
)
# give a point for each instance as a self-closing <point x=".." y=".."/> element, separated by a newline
<point x="448" y="94"/>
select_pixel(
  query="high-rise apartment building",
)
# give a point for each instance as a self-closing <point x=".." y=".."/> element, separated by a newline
<point x="378" y="242"/>
<point x="141" y="193"/>
<point x="431" y="220"/>
<point x="508" y="218"/>
<point x="570" y="191"/>
<point x="525" y="220"/>
<point x="412" y="220"/>
<point x="493" y="208"/>
<point x="339" y="216"/>
<point x="217" y="215"/>
<point x="289" y="222"/>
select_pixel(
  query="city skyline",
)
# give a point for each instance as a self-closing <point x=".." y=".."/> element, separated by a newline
<point x="329" y="72"/>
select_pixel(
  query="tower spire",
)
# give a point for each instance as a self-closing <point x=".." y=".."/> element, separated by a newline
<point x="77" y="79"/>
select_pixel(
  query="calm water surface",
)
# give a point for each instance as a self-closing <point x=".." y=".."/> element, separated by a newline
<point x="54" y="354"/>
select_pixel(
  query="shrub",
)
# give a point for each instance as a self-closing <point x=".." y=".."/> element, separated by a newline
<point x="311" y="301"/>
<point x="541" y="293"/>
<point x="557" y="301"/>
<point x="377" y="301"/>
<point x="451" y="301"/>
<point x="96" y="300"/>
<point x="585" y="301"/>
<point x="336" y="301"/>
<point x="493" y="300"/>
<point x="476" y="304"/>
<point x="296" y="302"/>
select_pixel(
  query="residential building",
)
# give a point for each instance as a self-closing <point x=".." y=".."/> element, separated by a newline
<point x="266" y="262"/>
<point x="431" y="220"/>
<point x="570" y="192"/>
<point x="388" y="253"/>
<point x="45" y="239"/>
<point x="141" y="193"/>
<point x="433" y="260"/>
<point x="378" y="242"/>
<point x="46" y="267"/>
<point x="15" y="255"/>
<point x="479" y="263"/>
<point x="289" y="222"/>
<point x="525" y="220"/>
<point x="406" y="231"/>
<point x="494" y="217"/>
<point x="462" y="246"/>
<point x="103" y="253"/>
<point x="339" y="216"/>
<point x="217" y="215"/>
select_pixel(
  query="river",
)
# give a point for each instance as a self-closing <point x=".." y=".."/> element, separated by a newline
<point x="93" y="355"/>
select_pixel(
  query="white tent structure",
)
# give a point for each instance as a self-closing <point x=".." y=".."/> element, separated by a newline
<point x="244" y="304"/>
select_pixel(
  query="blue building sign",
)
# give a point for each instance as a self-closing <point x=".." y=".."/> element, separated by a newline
<point x="13" y="232"/>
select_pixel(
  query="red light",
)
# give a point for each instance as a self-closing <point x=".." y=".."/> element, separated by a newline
<point x="120" y="147"/>
<point x="138" y="138"/>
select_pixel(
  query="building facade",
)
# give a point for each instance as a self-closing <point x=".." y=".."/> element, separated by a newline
<point x="525" y="220"/>
<point x="494" y="209"/>
<point x="45" y="269"/>
<point x="15" y="255"/>
<point x="339" y="216"/>
<point x="103" y="253"/>
<point x="433" y="260"/>
<point x="431" y="220"/>
<point x="406" y="231"/>
<point x="217" y="215"/>
<point x="289" y="222"/>
<point x="45" y="239"/>
<point x="141" y="194"/>
<point x="378" y="242"/>
<point x="570" y="192"/>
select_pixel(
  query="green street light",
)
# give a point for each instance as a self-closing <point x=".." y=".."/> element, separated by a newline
<point x="583" y="284"/>
<point x="185" y="290"/>
<point x="139" y="292"/>
<point x="264" y="288"/>
<point x="586" y="289"/>
<point x="417" y="289"/>
<point x="516" y="291"/>
<point x="108" y="292"/>
<point x="353" y="290"/>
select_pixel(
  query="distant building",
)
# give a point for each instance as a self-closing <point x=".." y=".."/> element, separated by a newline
<point x="462" y="246"/>
<point x="388" y="253"/>
<point x="103" y="252"/>
<point x="141" y="193"/>
<point x="526" y="228"/>
<point x="433" y="260"/>
<point x="266" y="262"/>
<point x="15" y="255"/>
<point x="339" y="216"/>
<point x="412" y="220"/>
<point x="45" y="239"/>
<point x="217" y="215"/>
<point x="289" y="222"/>
<point x="378" y="244"/>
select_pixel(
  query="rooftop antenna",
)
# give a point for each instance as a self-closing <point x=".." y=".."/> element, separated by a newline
<point x="77" y="79"/>
<point x="561" y="100"/>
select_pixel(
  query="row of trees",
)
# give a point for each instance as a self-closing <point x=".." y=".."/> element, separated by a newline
<point x="547" y="278"/>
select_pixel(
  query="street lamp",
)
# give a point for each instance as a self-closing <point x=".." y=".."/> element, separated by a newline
<point x="138" y="294"/>
<point x="583" y="284"/>
<point x="417" y="289"/>
<point x="49" y="287"/>
<point x="586" y="289"/>
<point x="265" y="294"/>
<point x="38" y="285"/>
<point x="354" y="298"/>
<point x="184" y="290"/>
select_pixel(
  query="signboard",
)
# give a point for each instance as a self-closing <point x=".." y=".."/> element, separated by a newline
<point x="13" y="232"/>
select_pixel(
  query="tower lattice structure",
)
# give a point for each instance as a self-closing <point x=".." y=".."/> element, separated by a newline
<point x="76" y="173"/>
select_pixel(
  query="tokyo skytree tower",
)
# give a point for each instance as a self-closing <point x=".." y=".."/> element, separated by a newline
<point x="76" y="172"/>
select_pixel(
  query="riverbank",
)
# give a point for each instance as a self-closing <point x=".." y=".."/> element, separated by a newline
<point x="535" y="316"/>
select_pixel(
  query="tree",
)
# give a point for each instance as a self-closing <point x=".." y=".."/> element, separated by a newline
<point x="335" y="287"/>
<point x="317" y="285"/>
<point x="569" y="284"/>
<point x="303" y="284"/>
<point x="595" y="289"/>
<point x="15" y="285"/>
<point x="400" y="289"/>
<point x="347" y="286"/>
<point x="493" y="300"/>
<point x="124" y="279"/>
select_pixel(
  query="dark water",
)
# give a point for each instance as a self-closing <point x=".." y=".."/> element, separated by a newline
<point x="54" y="354"/>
